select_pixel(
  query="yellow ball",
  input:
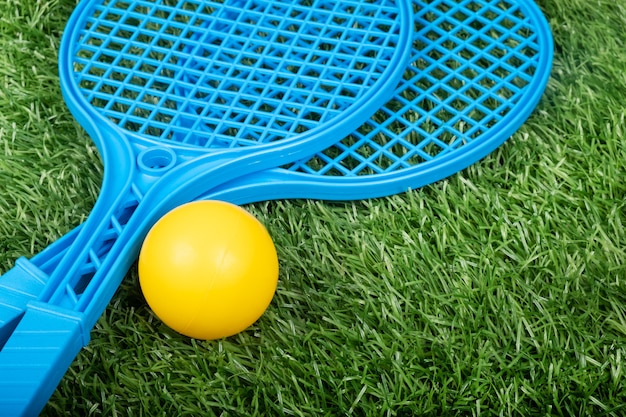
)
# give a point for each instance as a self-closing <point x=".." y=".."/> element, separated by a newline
<point x="208" y="269"/>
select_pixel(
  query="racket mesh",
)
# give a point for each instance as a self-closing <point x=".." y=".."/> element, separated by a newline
<point x="233" y="72"/>
<point x="472" y="62"/>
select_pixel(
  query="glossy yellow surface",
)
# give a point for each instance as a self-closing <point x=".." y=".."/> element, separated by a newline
<point x="208" y="269"/>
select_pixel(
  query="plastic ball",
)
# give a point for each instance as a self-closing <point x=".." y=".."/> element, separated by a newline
<point x="208" y="269"/>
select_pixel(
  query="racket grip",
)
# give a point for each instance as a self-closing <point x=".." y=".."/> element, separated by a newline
<point x="26" y="280"/>
<point x="18" y="286"/>
<point x="35" y="358"/>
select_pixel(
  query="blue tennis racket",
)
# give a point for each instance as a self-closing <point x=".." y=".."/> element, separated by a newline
<point x="180" y="96"/>
<point x="476" y="72"/>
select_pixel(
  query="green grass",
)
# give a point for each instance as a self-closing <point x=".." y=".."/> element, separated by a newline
<point x="499" y="291"/>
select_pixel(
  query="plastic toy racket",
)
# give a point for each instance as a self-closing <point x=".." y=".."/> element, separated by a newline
<point x="161" y="86"/>
<point x="476" y="73"/>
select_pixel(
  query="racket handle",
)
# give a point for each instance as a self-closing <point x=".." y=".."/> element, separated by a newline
<point x="26" y="280"/>
<point x="35" y="358"/>
<point x="18" y="286"/>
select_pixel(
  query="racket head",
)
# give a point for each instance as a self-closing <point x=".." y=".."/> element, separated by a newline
<point x="477" y="71"/>
<point x="196" y="75"/>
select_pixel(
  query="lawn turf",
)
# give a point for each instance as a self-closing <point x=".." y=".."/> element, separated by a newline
<point x="499" y="291"/>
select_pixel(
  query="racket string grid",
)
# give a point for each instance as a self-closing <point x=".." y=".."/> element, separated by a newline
<point x="470" y="65"/>
<point x="196" y="78"/>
